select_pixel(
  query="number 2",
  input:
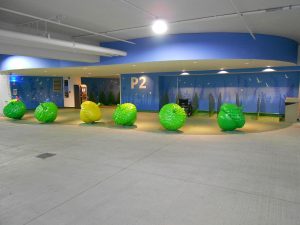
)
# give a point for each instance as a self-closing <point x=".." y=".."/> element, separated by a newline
<point x="143" y="84"/>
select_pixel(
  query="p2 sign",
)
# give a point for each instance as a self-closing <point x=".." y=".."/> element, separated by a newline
<point x="139" y="82"/>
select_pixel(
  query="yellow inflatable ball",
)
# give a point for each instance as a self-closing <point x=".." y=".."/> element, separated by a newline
<point x="90" y="112"/>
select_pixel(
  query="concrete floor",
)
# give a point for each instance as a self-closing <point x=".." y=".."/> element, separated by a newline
<point x="104" y="176"/>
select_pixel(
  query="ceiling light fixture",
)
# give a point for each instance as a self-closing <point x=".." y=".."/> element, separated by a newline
<point x="159" y="26"/>
<point x="268" y="69"/>
<point x="222" y="71"/>
<point x="184" y="73"/>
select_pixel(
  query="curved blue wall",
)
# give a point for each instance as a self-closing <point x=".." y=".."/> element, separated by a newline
<point x="270" y="89"/>
<point x="15" y="62"/>
<point x="202" y="46"/>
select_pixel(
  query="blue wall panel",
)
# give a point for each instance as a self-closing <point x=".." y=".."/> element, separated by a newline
<point x="270" y="88"/>
<point x="15" y="62"/>
<point x="144" y="99"/>
<point x="34" y="90"/>
<point x="96" y="85"/>
<point x="204" y="46"/>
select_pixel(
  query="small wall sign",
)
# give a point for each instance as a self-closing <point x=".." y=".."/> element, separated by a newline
<point x="140" y="82"/>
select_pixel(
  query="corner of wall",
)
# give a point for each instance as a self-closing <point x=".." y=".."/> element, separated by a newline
<point x="5" y="94"/>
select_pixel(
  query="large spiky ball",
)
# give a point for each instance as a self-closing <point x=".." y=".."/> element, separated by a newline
<point x="90" y="112"/>
<point x="231" y="117"/>
<point x="125" y="114"/>
<point x="15" y="109"/>
<point x="172" y="116"/>
<point x="46" y="112"/>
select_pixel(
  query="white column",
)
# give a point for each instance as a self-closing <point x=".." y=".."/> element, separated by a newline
<point x="5" y="93"/>
<point x="73" y="80"/>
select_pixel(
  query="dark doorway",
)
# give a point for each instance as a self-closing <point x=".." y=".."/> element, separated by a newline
<point x="77" y="96"/>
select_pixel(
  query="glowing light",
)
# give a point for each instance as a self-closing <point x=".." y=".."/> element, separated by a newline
<point x="184" y="73"/>
<point x="223" y="72"/>
<point x="13" y="79"/>
<point x="159" y="27"/>
<point x="268" y="69"/>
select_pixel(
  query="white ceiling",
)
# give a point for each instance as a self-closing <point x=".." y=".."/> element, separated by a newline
<point x="110" y="15"/>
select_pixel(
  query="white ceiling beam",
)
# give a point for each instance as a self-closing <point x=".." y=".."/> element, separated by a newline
<point x="22" y="39"/>
<point x="243" y="19"/>
<point x="63" y="25"/>
<point x="12" y="49"/>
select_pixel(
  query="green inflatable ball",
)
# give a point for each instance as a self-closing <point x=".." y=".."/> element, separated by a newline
<point x="15" y="109"/>
<point x="172" y="116"/>
<point x="46" y="112"/>
<point x="231" y="117"/>
<point x="125" y="114"/>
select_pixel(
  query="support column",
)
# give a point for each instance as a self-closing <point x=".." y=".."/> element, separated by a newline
<point x="5" y="93"/>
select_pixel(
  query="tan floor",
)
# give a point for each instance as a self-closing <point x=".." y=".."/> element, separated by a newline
<point x="103" y="176"/>
<point x="200" y="123"/>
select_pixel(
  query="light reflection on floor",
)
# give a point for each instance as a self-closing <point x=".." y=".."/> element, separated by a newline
<point x="200" y="123"/>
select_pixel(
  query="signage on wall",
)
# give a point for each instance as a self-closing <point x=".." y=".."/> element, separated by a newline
<point x="15" y="92"/>
<point x="139" y="82"/>
<point x="66" y="88"/>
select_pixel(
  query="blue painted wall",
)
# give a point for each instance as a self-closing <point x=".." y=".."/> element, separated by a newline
<point x="96" y="85"/>
<point x="203" y="46"/>
<point x="198" y="46"/>
<point x="144" y="99"/>
<point x="14" y="62"/>
<point x="33" y="90"/>
<point x="271" y="88"/>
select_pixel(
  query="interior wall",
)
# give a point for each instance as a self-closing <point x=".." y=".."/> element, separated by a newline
<point x="15" y="62"/>
<point x="144" y="96"/>
<point x="266" y="91"/>
<point x="33" y="90"/>
<point x="102" y="89"/>
<point x="5" y="93"/>
<point x="204" y="46"/>
<point x="70" y="100"/>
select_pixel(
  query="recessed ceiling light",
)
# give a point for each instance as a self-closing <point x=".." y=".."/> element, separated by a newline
<point x="268" y="70"/>
<point x="222" y="72"/>
<point x="184" y="73"/>
<point x="159" y="26"/>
